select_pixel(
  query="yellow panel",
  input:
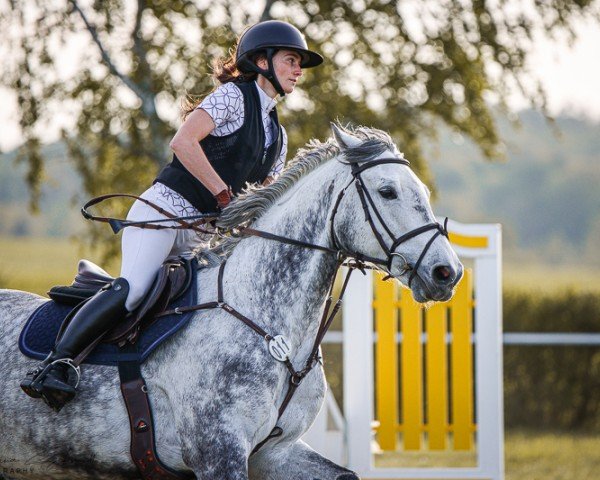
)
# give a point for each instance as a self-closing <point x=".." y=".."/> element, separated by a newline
<point x="462" y="364"/>
<point x="437" y="377"/>
<point x="386" y="363"/>
<point x="412" y="372"/>
<point x="469" y="242"/>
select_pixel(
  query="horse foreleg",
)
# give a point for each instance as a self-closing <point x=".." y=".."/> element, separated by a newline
<point x="218" y="456"/>
<point x="296" y="461"/>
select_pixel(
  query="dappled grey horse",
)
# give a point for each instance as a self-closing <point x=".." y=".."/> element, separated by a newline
<point x="214" y="388"/>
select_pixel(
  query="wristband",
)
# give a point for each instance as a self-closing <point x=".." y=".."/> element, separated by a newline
<point x="223" y="198"/>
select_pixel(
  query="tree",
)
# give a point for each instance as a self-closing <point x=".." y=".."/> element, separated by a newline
<point x="400" y="66"/>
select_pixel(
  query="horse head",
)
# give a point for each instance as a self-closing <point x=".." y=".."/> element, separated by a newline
<point x="384" y="215"/>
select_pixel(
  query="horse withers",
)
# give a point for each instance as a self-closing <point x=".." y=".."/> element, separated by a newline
<point x="215" y="388"/>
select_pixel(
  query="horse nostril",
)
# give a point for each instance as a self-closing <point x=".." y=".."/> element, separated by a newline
<point x="443" y="274"/>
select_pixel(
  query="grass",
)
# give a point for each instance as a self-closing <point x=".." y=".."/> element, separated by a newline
<point x="529" y="455"/>
<point x="552" y="456"/>
<point x="36" y="264"/>
<point x="550" y="278"/>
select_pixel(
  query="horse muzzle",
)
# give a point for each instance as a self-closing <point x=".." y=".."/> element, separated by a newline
<point x="436" y="283"/>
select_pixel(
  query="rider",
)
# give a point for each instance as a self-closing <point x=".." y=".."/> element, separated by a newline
<point x="231" y="137"/>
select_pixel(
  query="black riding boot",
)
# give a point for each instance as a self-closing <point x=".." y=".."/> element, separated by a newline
<point x="56" y="379"/>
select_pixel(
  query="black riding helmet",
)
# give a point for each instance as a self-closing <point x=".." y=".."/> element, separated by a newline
<point x="269" y="37"/>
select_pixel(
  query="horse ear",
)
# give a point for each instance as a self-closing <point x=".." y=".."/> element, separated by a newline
<point x="344" y="139"/>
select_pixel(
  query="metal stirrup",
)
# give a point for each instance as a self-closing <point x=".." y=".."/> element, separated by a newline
<point x="70" y="363"/>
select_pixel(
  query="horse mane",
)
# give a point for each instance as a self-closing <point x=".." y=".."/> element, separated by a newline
<point x="256" y="199"/>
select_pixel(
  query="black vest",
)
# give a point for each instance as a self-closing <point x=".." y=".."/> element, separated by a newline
<point x="238" y="158"/>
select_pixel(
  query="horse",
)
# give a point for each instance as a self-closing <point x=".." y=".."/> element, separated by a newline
<point x="214" y="388"/>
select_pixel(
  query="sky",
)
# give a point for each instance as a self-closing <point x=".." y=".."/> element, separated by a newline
<point x="570" y="75"/>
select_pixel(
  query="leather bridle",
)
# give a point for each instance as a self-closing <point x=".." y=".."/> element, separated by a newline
<point x="368" y="205"/>
<point x="366" y="200"/>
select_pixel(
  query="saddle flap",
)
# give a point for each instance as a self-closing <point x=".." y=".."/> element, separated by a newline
<point x="172" y="276"/>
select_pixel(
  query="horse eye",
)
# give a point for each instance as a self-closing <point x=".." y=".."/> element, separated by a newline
<point x="388" y="193"/>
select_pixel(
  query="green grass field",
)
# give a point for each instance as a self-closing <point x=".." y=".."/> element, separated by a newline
<point x="549" y="278"/>
<point x="552" y="456"/>
<point x="36" y="264"/>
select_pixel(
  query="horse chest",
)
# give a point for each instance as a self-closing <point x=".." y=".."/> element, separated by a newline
<point x="305" y="405"/>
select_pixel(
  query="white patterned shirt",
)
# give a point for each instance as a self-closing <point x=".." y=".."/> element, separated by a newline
<point x="226" y="107"/>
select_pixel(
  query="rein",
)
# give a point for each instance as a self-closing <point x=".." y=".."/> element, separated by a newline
<point x="118" y="224"/>
<point x="277" y="345"/>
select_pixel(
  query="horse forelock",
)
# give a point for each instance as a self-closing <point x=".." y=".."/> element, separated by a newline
<point x="256" y="199"/>
<point x="373" y="143"/>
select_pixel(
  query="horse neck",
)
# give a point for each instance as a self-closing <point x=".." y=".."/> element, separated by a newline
<point x="290" y="283"/>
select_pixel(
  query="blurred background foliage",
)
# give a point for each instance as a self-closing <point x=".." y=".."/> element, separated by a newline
<point x="552" y="387"/>
<point x="407" y="67"/>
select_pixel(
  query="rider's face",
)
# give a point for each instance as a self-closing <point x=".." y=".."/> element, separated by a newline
<point x="286" y="64"/>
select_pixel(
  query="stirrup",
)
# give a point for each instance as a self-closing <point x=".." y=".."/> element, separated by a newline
<point x="30" y="384"/>
<point x="35" y="387"/>
<point x="58" y="395"/>
<point x="70" y="363"/>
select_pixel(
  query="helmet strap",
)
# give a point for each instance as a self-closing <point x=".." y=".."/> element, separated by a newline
<point x="271" y="77"/>
<point x="269" y="74"/>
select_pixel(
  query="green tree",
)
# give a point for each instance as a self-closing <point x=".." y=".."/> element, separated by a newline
<point x="401" y="66"/>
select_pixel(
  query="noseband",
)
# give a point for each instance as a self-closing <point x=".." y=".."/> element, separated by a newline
<point x="366" y="200"/>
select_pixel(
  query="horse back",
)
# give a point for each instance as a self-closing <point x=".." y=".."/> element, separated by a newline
<point x="15" y="308"/>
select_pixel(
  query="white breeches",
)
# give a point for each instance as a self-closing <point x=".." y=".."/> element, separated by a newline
<point x="144" y="250"/>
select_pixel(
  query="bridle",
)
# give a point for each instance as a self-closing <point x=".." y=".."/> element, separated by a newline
<point x="366" y="200"/>
<point x="368" y="205"/>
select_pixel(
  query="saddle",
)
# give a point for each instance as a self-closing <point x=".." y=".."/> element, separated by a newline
<point x="132" y="338"/>
<point x="126" y="346"/>
<point x="172" y="280"/>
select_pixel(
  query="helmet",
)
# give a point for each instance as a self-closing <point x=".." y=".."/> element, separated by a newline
<point x="269" y="37"/>
<point x="273" y="34"/>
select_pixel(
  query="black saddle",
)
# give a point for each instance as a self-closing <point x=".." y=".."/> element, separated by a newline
<point x="171" y="282"/>
<point x="133" y="338"/>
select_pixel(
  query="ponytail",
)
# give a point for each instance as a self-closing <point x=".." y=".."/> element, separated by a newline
<point x="225" y="70"/>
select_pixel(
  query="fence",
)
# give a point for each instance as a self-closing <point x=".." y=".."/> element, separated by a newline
<point x="456" y="359"/>
<point x="439" y="378"/>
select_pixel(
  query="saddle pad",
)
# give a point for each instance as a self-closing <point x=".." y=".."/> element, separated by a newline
<point x="39" y="334"/>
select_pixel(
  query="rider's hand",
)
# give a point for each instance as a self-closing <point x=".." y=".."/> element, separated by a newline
<point x="223" y="198"/>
